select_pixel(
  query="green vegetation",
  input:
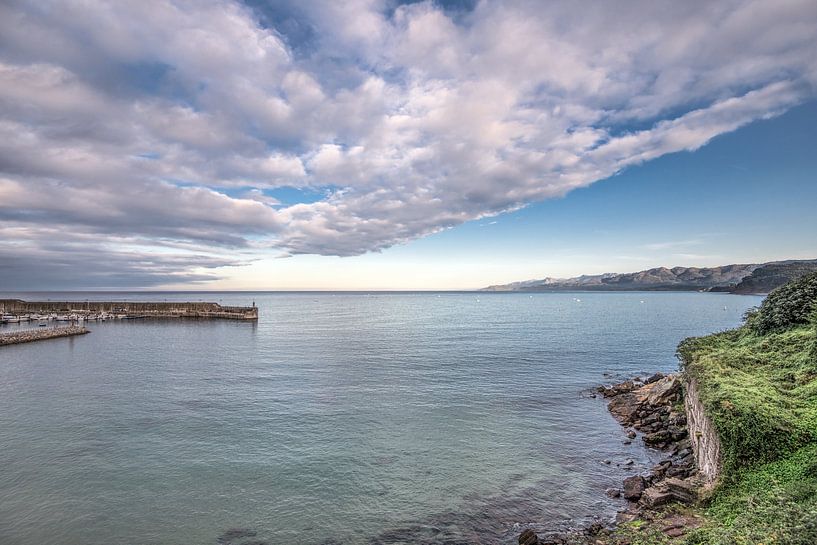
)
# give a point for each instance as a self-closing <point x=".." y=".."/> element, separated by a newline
<point x="790" y="305"/>
<point x="759" y="386"/>
<point x="769" y="503"/>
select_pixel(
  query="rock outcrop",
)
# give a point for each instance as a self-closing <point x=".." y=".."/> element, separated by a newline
<point x="653" y="407"/>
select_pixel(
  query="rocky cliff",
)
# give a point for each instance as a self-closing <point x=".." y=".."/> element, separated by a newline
<point x="772" y="275"/>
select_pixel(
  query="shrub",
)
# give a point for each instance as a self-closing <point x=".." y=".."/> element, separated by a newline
<point x="792" y="304"/>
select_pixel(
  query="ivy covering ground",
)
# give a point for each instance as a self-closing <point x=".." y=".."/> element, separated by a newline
<point x="758" y="384"/>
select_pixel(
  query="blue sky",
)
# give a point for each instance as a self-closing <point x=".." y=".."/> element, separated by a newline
<point x="376" y="144"/>
<point x="746" y="197"/>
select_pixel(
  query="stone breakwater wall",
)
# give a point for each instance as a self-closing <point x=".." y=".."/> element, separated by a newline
<point x="131" y="309"/>
<point x="31" y="335"/>
<point x="705" y="442"/>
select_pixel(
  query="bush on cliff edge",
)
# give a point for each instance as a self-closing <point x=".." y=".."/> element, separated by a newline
<point x="789" y="305"/>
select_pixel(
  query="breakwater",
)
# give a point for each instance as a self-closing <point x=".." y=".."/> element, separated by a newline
<point x="31" y="335"/>
<point x="127" y="309"/>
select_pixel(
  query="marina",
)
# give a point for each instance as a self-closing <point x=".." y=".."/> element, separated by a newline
<point x="13" y="311"/>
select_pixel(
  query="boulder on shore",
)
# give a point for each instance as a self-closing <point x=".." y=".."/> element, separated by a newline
<point x="528" y="537"/>
<point x="634" y="487"/>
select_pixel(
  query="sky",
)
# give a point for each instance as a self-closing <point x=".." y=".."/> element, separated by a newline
<point x="375" y="144"/>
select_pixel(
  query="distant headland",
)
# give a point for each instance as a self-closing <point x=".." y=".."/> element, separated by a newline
<point x="752" y="278"/>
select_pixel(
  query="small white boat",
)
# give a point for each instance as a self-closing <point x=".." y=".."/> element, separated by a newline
<point x="62" y="318"/>
<point x="11" y="319"/>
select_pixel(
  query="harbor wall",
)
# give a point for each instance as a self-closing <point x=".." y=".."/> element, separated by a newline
<point x="131" y="309"/>
<point x="39" y="334"/>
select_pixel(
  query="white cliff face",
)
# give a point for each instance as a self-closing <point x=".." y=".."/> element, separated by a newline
<point x="705" y="442"/>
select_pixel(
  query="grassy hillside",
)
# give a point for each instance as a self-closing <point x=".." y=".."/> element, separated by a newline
<point x="759" y="386"/>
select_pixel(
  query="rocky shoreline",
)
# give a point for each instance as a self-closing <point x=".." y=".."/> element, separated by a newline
<point x="651" y="409"/>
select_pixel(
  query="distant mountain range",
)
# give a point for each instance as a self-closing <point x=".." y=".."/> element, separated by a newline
<point x="744" y="278"/>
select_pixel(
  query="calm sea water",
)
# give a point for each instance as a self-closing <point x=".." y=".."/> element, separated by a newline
<point x="336" y="419"/>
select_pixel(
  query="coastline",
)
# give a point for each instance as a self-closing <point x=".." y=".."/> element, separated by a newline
<point x="604" y="477"/>
<point x="650" y="409"/>
<point x="746" y="399"/>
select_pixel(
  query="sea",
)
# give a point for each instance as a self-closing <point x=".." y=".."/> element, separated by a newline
<point x="336" y="419"/>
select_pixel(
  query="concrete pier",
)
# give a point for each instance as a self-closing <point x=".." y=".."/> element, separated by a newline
<point x="129" y="309"/>
<point x="39" y="334"/>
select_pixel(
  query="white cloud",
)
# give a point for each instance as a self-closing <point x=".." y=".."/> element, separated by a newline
<point x="169" y="119"/>
<point x="672" y="244"/>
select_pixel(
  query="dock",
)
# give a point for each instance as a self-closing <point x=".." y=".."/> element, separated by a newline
<point x="40" y="334"/>
<point x="94" y="310"/>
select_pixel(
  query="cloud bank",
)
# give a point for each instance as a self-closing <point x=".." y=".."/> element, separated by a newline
<point x="164" y="128"/>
